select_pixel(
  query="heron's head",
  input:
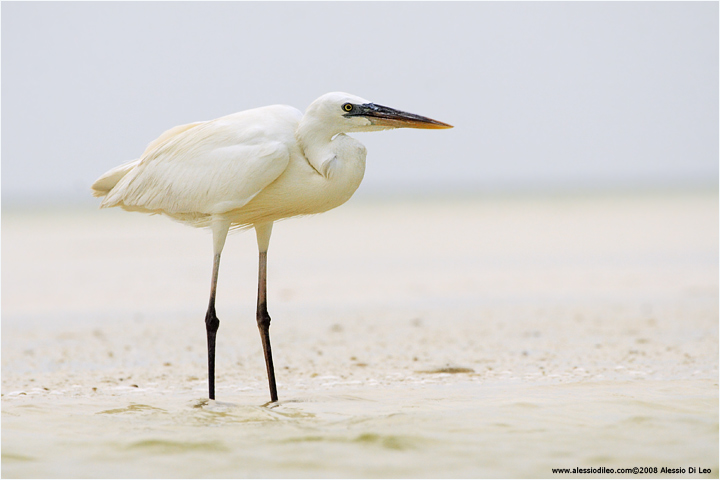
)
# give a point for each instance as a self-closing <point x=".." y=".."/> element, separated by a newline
<point x="341" y="112"/>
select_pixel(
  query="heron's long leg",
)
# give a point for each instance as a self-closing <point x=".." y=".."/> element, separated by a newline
<point x="263" y="321"/>
<point x="263" y="318"/>
<point x="220" y="230"/>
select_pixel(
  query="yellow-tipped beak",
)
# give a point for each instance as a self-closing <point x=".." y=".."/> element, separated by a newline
<point x="390" y="117"/>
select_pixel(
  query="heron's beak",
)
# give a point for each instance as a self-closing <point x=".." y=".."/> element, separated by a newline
<point x="389" y="117"/>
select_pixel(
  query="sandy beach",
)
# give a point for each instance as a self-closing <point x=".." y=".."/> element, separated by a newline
<point x="477" y="337"/>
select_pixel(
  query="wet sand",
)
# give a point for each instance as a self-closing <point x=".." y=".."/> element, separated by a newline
<point x="496" y="337"/>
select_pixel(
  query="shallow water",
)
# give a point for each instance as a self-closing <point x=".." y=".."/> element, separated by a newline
<point x="553" y="333"/>
<point x="457" y="429"/>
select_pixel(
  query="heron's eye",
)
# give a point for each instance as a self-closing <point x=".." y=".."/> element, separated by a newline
<point x="347" y="107"/>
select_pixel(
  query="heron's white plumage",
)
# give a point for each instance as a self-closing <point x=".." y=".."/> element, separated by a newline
<point x="109" y="179"/>
<point x="252" y="167"/>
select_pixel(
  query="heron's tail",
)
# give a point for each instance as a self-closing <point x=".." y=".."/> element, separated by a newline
<point x="109" y="179"/>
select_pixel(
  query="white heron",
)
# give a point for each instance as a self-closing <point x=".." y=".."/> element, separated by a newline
<point x="250" y="169"/>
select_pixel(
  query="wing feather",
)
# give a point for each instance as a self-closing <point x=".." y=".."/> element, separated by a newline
<point x="206" y="168"/>
<point x="109" y="179"/>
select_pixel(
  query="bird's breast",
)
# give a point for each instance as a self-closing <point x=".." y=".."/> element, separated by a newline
<point x="302" y="190"/>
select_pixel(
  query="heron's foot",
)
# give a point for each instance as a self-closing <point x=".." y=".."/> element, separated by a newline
<point x="270" y="404"/>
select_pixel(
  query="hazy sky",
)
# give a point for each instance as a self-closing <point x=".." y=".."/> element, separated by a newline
<point x="543" y="95"/>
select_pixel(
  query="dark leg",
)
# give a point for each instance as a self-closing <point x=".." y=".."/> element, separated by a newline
<point x="263" y="322"/>
<point x="211" y="325"/>
<point x="220" y="228"/>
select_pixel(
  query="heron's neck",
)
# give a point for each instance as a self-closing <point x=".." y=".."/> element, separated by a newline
<point x="340" y="159"/>
<point x="317" y="144"/>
